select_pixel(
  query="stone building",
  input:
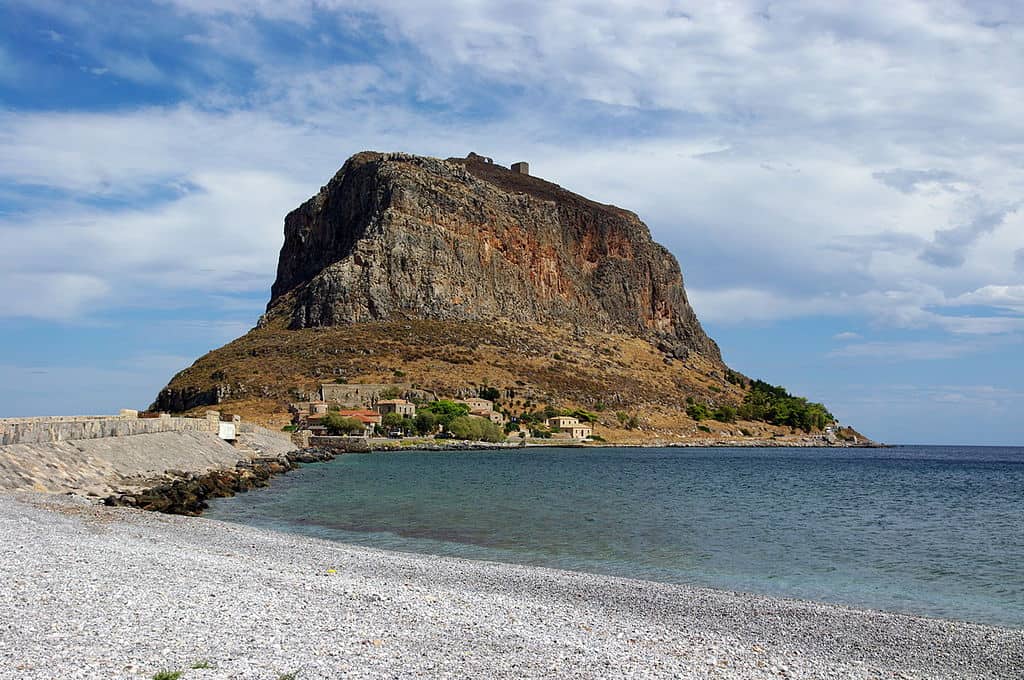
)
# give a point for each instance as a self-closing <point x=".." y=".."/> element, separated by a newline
<point x="302" y="410"/>
<point x="402" y="407"/>
<point x="354" y="394"/>
<point x="522" y="167"/>
<point x="570" y="427"/>
<point x="477" y="404"/>
<point x="492" y="416"/>
<point x="369" y="419"/>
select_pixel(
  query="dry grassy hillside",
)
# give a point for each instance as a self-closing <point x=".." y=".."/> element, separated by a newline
<point x="258" y="374"/>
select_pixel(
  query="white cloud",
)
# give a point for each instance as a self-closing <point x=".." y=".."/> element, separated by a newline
<point x="207" y="241"/>
<point x="906" y="351"/>
<point x="42" y="294"/>
<point x="789" y="155"/>
<point x="744" y="305"/>
<point x="1006" y="297"/>
<point x="986" y="395"/>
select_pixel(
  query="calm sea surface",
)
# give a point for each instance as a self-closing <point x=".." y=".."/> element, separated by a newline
<point x="927" y="530"/>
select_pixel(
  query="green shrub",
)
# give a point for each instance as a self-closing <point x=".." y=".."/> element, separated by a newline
<point x="582" y="415"/>
<point x="698" y="411"/>
<point x="724" y="414"/>
<point x="167" y="675"/>
<point x="289" y="428"/>
<point x="426" y="422"/>
<point x="704" y="428"/>
<point x="479" y="429"/>
<point x="445" y="410"/>
<point x="392" y="421"/>
<point x="338" y="424"/>
<point x="735" y="378"/>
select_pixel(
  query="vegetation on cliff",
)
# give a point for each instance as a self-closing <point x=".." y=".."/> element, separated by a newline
<point x="773" y="404"/>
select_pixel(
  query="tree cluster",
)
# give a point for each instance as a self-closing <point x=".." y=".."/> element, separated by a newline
<point x="445" y="411"/>
<point x="699" y="411"/>
<point x="338" y="424"/>
<point x="773" y="404"/>
<point x="477" y="429"/>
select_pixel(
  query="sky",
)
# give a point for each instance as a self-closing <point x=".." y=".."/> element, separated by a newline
<point x="842" y="183"/>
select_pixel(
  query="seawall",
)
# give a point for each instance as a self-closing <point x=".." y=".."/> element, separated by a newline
<point x="104" y="455"/>
<point x="64" y="428"/>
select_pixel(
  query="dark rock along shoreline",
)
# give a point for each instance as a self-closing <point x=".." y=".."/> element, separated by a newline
<point x="181" y="493"/>
<point x="186" y="493"/>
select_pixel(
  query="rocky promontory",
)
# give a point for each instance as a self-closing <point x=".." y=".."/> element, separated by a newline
<point x="395" y="236"/>
<point x="461" y="274"/>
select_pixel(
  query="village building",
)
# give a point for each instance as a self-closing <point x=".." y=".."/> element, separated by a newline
<point x="302" y="410"/>
<point x="402" y="407"/>
<point x="493" y="416"/>
<point x="570" y="427"/>
<point x="477" y="404"/>
<point x="370" y="420"/>
<point x="482" y="408"/>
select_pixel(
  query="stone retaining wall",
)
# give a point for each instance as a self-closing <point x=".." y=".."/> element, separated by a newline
<point x="104" y="465"/>
<point x="67" y="428"/>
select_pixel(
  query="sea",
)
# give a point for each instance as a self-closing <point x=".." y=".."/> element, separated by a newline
<point x="930" y="530"/>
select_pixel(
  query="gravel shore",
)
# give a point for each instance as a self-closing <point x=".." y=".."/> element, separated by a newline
<point x="94" y="592"/>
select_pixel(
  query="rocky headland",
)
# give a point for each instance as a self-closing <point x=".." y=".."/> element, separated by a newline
<point x="459" y="274"/>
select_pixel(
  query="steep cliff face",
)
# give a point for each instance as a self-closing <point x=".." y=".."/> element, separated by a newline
<point x="394" y="236"/>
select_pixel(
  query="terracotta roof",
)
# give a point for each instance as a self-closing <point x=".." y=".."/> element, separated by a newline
<point x="362" y="415"/>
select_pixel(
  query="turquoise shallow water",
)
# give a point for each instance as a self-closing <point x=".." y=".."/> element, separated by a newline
<point x="937" y="531"/>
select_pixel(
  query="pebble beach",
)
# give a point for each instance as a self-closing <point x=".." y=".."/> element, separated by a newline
<point x="93" y="592"/>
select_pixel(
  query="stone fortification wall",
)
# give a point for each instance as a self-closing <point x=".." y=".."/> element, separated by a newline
<point x="68" y="428"/>
<point x="353" y="394"/>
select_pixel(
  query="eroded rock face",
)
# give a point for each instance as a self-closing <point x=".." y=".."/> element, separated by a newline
<point x="396" y="236"/>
